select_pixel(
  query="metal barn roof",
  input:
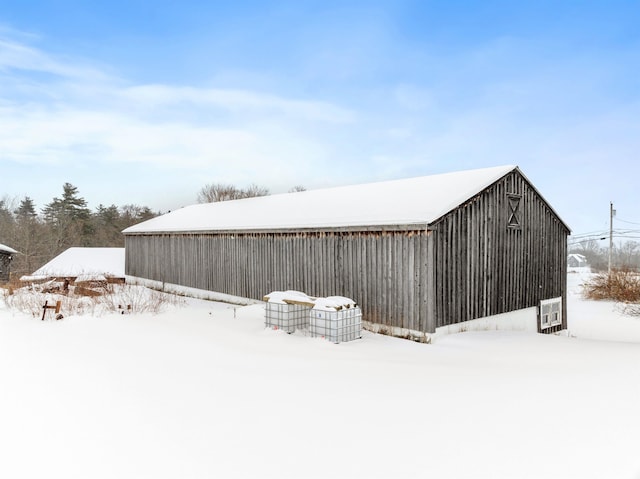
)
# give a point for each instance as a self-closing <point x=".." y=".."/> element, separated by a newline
<point x="413" y="201"/>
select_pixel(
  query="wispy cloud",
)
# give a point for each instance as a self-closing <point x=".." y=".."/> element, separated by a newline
<point x="236" y="101"/>
<point x="16" y="56"/>
<point x="86" y="115"/>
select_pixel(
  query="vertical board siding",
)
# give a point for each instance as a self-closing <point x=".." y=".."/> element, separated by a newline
<point x="382" y="271"/>
<point x="484" y="267"/>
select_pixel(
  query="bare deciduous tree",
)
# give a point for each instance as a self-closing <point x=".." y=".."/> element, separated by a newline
<point x="625" y="255"/>
<point x="254" y="190"/>
<point x="214" y="192"/>
<point x="628" y="254"/>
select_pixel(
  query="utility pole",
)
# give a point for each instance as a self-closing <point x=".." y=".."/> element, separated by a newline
<point x="611" y="213"/>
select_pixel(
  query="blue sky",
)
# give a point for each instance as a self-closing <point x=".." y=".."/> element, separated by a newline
<point x="145" y="102"/>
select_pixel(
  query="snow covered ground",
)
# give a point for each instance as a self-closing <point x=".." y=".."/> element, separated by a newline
<point x="205" y="391"/>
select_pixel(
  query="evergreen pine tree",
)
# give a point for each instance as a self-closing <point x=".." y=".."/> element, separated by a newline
<point x="69" y="207"/>
<point x="26" y="210"/>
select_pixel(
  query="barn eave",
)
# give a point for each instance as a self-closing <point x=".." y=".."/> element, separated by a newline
<point x="406" y="227"/>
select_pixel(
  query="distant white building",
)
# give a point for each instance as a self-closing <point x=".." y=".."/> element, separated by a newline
<point x="576" y="260"/>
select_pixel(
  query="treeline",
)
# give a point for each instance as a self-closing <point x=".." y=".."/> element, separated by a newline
<point x="214" y="192"/>
<point x="66" y="221"/>
<point x="624" y="256"/>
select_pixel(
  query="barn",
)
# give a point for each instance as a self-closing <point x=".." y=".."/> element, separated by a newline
<point x="420" y="256"/>
<point x="6" y="255"/>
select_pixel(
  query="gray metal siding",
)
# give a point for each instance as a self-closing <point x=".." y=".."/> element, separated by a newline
<point x="484" y="267"/>
<point x="385" y="272"/>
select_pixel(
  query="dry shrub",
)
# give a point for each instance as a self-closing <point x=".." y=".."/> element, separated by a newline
<point x="619" y="285"/>
<point x="27" y="300"/>
<point x="120" y="298"/>
<point x="7" y="288"/>
<point x="136" y="299"/>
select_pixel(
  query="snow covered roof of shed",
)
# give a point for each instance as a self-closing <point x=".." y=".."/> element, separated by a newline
<point x="78" y="261"/>
<point x="6" y="249"/>
<point x="413" y="201"/>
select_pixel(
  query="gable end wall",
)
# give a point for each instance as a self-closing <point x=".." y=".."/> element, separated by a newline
<point x="484" y="267"/>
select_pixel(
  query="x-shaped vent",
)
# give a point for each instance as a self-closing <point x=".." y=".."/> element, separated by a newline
<point x="514" y="210"/>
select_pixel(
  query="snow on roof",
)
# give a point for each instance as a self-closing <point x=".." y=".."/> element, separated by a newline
<point x="331" y="303"/>
<point x="289" y="297"/>
<point x="334" y="303"/>
<point x="6" y="249"/>
<point x="418" y="201"/>
<point x="78" y="261"/>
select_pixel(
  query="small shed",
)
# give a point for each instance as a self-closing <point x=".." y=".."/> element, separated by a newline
<point x="418" y="255"/>
<point x="576" y="260"/>
<point x="6" y="255"/>
<point x="107" y="263"/>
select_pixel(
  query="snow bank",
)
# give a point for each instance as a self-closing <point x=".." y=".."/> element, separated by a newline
<point x="190" y="292"/>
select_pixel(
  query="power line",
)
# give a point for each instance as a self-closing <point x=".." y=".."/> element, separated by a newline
<point x="590" y="234"/>
<point x="586" y="240"/>
<point x="625" y="221"/>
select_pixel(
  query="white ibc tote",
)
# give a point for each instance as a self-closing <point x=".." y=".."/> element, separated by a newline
<point x="337" y="319"/>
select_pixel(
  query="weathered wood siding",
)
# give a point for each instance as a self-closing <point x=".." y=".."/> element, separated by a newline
<point x="484" y="266"/>
<point x="5" y="267"/>
<point x="385" y="272"/>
